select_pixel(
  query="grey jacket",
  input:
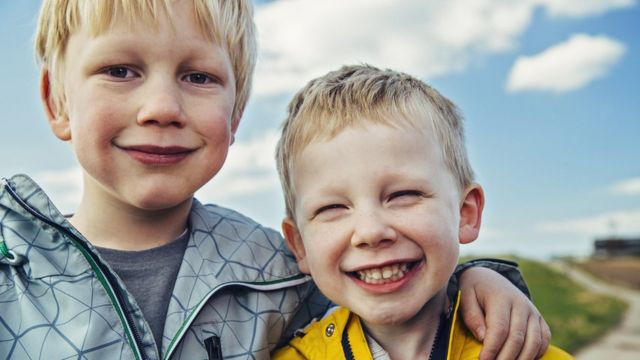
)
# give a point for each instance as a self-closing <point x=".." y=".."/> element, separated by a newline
<point x="238" y="290"/>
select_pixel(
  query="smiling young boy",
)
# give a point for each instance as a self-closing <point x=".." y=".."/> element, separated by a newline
<point x="149" y="94"/>
<point x="379" y="195"/>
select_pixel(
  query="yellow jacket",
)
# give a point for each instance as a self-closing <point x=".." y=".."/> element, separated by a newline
<point x="340" y="336"/>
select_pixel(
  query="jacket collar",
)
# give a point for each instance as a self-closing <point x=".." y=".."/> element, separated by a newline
<point x="35" y="233"/>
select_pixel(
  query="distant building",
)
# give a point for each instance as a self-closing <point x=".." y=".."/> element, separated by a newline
<point x="614" y="246"/>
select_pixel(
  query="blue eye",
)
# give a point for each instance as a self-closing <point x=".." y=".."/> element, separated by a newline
<point x="199" y="78"/>
<point x="120" y="72"/>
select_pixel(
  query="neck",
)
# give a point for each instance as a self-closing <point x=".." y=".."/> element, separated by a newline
<point x="120" y="226"/>
<point x="414" y="338"/>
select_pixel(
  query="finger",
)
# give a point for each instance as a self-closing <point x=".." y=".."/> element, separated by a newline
<point x="498" y="323"/>
<point x="546" y="336"/>
<point x="517" y="333"/>
<point x="472" y="314"/>
<point x="533" y="339"/>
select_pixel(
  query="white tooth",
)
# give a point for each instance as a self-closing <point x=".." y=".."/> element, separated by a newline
<point x="384" y="274"/>
<point x="375" y="274"/>
<point x="394" y="268"/>
<point x="387" y="272"/>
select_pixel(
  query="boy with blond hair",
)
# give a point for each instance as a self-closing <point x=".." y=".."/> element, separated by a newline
<point x="379" y="194"/>
<point x="150" y="95"/>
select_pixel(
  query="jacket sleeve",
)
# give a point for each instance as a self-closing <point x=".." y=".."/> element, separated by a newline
<point x="508" y="269"/>
<point x="313" y="305"/>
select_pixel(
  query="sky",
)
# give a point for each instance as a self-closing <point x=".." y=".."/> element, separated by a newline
<point x="548" y="89"/>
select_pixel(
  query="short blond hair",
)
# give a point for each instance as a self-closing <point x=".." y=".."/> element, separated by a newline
<point x="228" y="22"/>
<point x="359" y="94"/>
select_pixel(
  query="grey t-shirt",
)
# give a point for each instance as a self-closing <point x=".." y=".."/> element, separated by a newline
<point x="150" y="276"/>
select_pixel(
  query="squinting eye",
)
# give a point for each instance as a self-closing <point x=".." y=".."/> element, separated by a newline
<point x="408" y="193"/>
<point x="198" y="78"/>
<point x="329" y="207"/>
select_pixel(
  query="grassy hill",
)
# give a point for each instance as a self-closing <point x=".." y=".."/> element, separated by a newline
<point x="576" y="316"/>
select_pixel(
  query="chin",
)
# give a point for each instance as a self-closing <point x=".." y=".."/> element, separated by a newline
<point x="163" y="202"/>
<point x="388" y="317"/>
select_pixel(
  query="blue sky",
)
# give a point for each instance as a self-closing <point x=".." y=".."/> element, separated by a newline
<point x="548" y="89"/>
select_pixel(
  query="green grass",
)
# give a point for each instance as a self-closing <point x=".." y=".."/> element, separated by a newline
<point x="576" y="316"/>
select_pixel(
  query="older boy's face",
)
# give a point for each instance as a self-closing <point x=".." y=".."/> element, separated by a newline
<point x="378" y="214"/>
<point x="148" y="110"/>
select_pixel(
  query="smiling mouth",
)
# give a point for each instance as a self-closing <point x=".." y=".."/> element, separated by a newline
<point x="159" y="150"/>
<point x="385" y="274"/>
<point x="152" y="155"/>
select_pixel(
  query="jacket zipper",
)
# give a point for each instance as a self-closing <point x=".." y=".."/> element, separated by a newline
<point x="346" y="346"/>
<point x="105" y="278"/>
<point x="264" y="286"/>
<point x="436" y="339"/>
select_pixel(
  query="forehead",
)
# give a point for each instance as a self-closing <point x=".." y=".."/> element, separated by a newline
<point x="101" y="16"/>
<point x="367" y="160"/>
<point x="372" y="147"/>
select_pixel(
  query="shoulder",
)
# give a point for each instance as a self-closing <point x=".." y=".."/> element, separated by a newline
<point x="231" y="224"/>
<point x="321" y="339"/>
<point x="245" y="249"/>
<point x="209" y="216"/>
<point x="20" y="191"/>
<point x="465" y="347"/>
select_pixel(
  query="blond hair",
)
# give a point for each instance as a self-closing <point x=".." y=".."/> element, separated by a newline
<point x="360" y="94"/>
<point x="227" y="22"/>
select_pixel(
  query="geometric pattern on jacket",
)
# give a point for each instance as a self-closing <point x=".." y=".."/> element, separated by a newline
<point x="58" y="299"/>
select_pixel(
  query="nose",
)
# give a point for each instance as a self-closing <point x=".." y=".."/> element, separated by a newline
<point x="162" y="105"/>
<point x="372" y="229"/>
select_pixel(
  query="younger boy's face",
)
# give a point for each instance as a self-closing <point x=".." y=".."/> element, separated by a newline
<point x="148" y="110"/>
<point x="378" y="220"/>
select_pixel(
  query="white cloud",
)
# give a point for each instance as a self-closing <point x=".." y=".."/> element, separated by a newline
<point x="626" y="187"/>
<point x="566" y="66"/>
<point x="301" y="39"/>
<point x="64" y="187"/>
<point x="249" y="170"/>
<point x="580" y="8"/>
<point x="491" y="232"/>
<point x="611" y="223"/>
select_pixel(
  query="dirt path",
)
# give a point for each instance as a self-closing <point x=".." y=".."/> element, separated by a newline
<point x="621" y="343"/>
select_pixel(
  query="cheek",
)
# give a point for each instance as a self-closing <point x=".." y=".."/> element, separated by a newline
<point x="211" y="116"/>
<point x="94" y="117"/>
<point x="431" y="230"/>
<point x="216" y="128"/>
<point x="324" y="249"/>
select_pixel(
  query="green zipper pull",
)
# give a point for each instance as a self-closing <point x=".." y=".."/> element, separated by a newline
<point x="4" y="251"/>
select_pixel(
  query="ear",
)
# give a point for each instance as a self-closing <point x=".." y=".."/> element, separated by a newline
<point x="471" y="213"/>
<point x="235" y="122"/>
<point x="295" y="244"/>
<point x="58" y="120"/>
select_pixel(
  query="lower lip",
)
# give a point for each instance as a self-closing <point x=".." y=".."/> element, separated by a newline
<point x="154" y="159"/>
<point x="390" y="286"/>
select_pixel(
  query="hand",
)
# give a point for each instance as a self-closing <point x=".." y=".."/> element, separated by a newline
<point x="512" y="328"/>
